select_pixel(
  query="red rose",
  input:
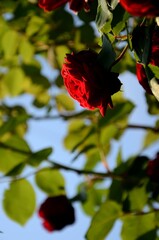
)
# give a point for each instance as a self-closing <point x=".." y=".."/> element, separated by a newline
<point x="141" y="8"/>
<point x="49" y="5"/>
<point x="153" y="57"/>
<point x="88" y="82"/>
<point x="142" y="78"/>
<point x="153" y="169"/>
<point x="57" y="212"/>
<point x="75" y="5"/>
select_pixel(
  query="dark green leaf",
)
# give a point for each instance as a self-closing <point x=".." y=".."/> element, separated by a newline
<point x="36" y="158"/>
<point x="107" y="55"/>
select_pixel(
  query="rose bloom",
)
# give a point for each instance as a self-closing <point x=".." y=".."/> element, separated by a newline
<point x="141" y="8"/>
<point x="56" y="212"/>
<point x="142" y="78"/>
<point x="153" y="57"/>
<point x="153" y="169"/>
<point x="75" y="5"/>
<point x="88" y="82"/>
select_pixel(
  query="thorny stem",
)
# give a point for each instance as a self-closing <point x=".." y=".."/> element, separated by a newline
<point x="120" y="56"/>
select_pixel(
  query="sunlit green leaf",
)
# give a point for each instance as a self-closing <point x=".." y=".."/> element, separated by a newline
<point x="13" y="152"/>
<point x="134" y="227"/>
<point x="103" y="15"/>
<point x="151" y="137"/>
<point x="19" y="201"/>
<point x="93" y="198"/>
<point x="34" y="25"/>
<point x="14" y="81"/>
<point x="10" y="43"/>
<point x="104" y="220"/>
<point x="50" y="181"/>
<point x="136" y="202"/>
<point x="64" y="102"/>
<point x="26" y="50"/>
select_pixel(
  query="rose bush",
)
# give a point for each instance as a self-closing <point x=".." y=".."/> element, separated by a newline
<point x="57" y="212"/>
<point x="75" y="5"/>
<point x="142" y="8"/>
<point x="88" y="82"/>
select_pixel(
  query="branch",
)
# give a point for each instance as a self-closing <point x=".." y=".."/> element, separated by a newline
<point x="80" y="114"/>
<point x="144" y="127"/>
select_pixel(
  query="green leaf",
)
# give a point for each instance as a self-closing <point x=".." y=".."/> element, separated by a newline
<point x="134" y="227"/>
<point x="92" y="159"/>
<point x="107" y="134"/>
<point x="36" y="158"/>
<point x="136" y="202"/>
<point x="154" y="84"/>
<point x="12" y="123"/>
<point x="19" y="201"/>
<point x="121" y="111"/>
<point x="64" y="102"/>
<point x="93" y="198"/>
<point x="13" y="152"/>
<point x="107" y="55"/>
<point x="84" y="151"/>
<point x="151" y="137"/>
<point x="103" y="15"/>
<point x="10" y="43"/>
<point x="152" y="104"/>
<point x="141" y="42"/>
<point x="155" y="70"/>
<point x="116" y="187"/>
<point x="104" y="220"/>
<point x="78" y="135"/>
<point x="50" y="181"/>
<point x="26" y="50"/>
<point x="60" y="52"/>
<point x="35" y="24"/>
<point x="16" y="170"/>
<point x="14" y="81"/>
<point x="120" y="16"/>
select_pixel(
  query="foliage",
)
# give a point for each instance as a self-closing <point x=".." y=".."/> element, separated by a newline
<point x="29" y="36"/>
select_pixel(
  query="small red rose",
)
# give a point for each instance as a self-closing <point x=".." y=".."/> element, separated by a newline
<point x="75" y="5"/>
<point x="141" y="8"/>
<point x="153" y="56"/>
<point x="49" y="5"/>
<point x="88" y="82"/>
<point x="56" y="212"/>
<point x="142" y="78"/>
<point x="153" y="169"/>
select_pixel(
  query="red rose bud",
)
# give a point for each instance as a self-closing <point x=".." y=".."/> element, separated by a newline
<point x="88" y="82"/>
<point x="153" y="56"/>
<point x="56" y="212"/>
<point x="141" y="8"/>
<point x="75" y="5"/>
<point x="142" y="78"/>
<point x="153" y="169"/>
